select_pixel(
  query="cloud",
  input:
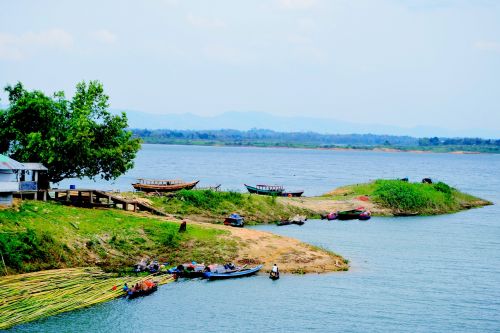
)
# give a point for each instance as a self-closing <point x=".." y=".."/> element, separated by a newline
<point x="487" y="45"/>
<point x="18" y="47"/>
<point x="203" y="22"/>
<point x="104" y="36"/>
<point x="296" y="4"/>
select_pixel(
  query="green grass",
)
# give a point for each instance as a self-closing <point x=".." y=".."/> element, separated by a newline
<point x="38" y="235"/>
<point x="410" y="198"/>
<point x="215" y="206"/>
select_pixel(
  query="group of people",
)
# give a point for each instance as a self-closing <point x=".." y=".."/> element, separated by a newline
<point x="139" y="286"/>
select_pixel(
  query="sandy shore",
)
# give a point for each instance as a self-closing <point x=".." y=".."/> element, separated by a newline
<point x="322" y="205"/>
<point x="291" y="255"/>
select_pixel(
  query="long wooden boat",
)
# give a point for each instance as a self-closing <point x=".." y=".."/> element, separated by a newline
<point x="265" y="189"/>
<point x="232" y="274"/>
<point x="162" y="185"/>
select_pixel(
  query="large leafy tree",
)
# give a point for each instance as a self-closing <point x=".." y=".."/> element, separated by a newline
<point x="73" y="138"/>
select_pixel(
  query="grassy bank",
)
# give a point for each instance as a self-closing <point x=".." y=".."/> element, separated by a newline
<point x="213" y="207"/>
<point x="404" y="198"/>
<point x="37" y="235"/>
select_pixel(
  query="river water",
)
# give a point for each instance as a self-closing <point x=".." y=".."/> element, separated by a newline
<point x="412" y="274"/>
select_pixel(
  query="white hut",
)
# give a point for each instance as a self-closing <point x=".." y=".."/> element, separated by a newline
<point x="8" y="179"/>
<point x="33" y="177"/>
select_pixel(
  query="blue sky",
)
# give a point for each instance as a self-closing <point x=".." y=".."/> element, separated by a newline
<point x="393" y="62"/>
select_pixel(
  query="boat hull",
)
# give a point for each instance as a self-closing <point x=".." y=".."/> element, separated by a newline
<point x="232" y="275"/>
<point x="164" y="188"/>
<point x="141" y="293"/>
<point x="292" y="194"/>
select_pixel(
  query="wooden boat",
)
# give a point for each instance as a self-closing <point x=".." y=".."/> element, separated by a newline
<point x="354" y="214"/>
<point x="234" y="220"/>
<point x="274" y="276"/>
<point x="137" y="293"/>
<point x="266" y="189"/>
<point x="292" y="194"/>
<point x="162" y="185"/>
<point x="297" y="219"/>
<point x="188" y="271"/>
<point x="229" y="274"/>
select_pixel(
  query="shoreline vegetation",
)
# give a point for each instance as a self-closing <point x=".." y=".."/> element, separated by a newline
<point x="309" y="140"/>
<point x="83" y="253"/>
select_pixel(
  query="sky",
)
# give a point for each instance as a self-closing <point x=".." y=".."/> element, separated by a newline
<point x="391" y="62"/>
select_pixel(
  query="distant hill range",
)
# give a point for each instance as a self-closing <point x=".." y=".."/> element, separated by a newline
<point x="244" y="121"/>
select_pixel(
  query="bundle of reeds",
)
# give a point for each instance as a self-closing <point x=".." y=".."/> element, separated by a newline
<point x="31" y="296"/>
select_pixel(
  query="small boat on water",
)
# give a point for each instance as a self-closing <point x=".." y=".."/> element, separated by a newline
<point x="274" y="275"/>
<point x="234" y="220"/>
<point x="142" y="289"/>
<point x="231" y="273"/>
<point x="297" y="219"/>
<point x="162" y="185"/>
<point x="354" y="214"/>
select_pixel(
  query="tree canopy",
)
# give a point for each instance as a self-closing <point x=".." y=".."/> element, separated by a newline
<point x="72" y="138"/>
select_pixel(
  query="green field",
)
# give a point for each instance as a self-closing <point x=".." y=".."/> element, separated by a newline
<point x="37" y="235"/>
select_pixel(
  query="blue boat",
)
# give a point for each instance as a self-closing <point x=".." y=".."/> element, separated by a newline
<point x="232" y="274"/>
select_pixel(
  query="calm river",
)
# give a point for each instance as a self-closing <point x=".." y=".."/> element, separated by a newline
<point x="415" y="274"/>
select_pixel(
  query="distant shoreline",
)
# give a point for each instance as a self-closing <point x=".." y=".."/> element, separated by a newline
<point x="351" y="148"/>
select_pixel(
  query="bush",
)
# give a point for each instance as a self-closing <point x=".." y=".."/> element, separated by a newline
<point x="19" y="249"/>
<point x="209" y="200"/>
<point x="414" y="197"/>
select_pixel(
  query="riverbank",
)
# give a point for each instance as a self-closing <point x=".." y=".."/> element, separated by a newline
<point x="39" y="236"/>
<point x="395" y="198"/>
<point x="380" y="197"/>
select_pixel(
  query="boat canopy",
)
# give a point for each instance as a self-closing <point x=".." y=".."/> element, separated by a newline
<point x="160" y="181"/>
<point x="271" y="187"/>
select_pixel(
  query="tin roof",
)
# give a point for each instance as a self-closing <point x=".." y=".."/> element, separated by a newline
<point x="34" y="166"/>
<point x="7" y="163"/>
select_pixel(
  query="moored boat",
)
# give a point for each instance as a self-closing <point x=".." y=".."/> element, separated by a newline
<point x="234" y="220"/>
<point x="292" y="194"/>
<point x="188" y="271"/>
<point x="353" y="214"/>
<point x="266" y="189"/>
<point x="162" y="185"/>
<point x="232" y="273"/>
<point x="297" y="219"/>
<point x="142" y="289"/>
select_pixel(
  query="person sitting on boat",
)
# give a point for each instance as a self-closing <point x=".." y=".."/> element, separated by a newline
<point x="125" y="287"/>
<point x="275" y="271"/>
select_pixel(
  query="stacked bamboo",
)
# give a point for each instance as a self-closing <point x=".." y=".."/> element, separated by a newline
<point x="31" y="296"/>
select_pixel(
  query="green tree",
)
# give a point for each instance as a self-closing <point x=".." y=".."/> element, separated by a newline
<point x="73" y="138"/>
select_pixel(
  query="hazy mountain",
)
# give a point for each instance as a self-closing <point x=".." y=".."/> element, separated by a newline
<point x="248" y="120"/>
